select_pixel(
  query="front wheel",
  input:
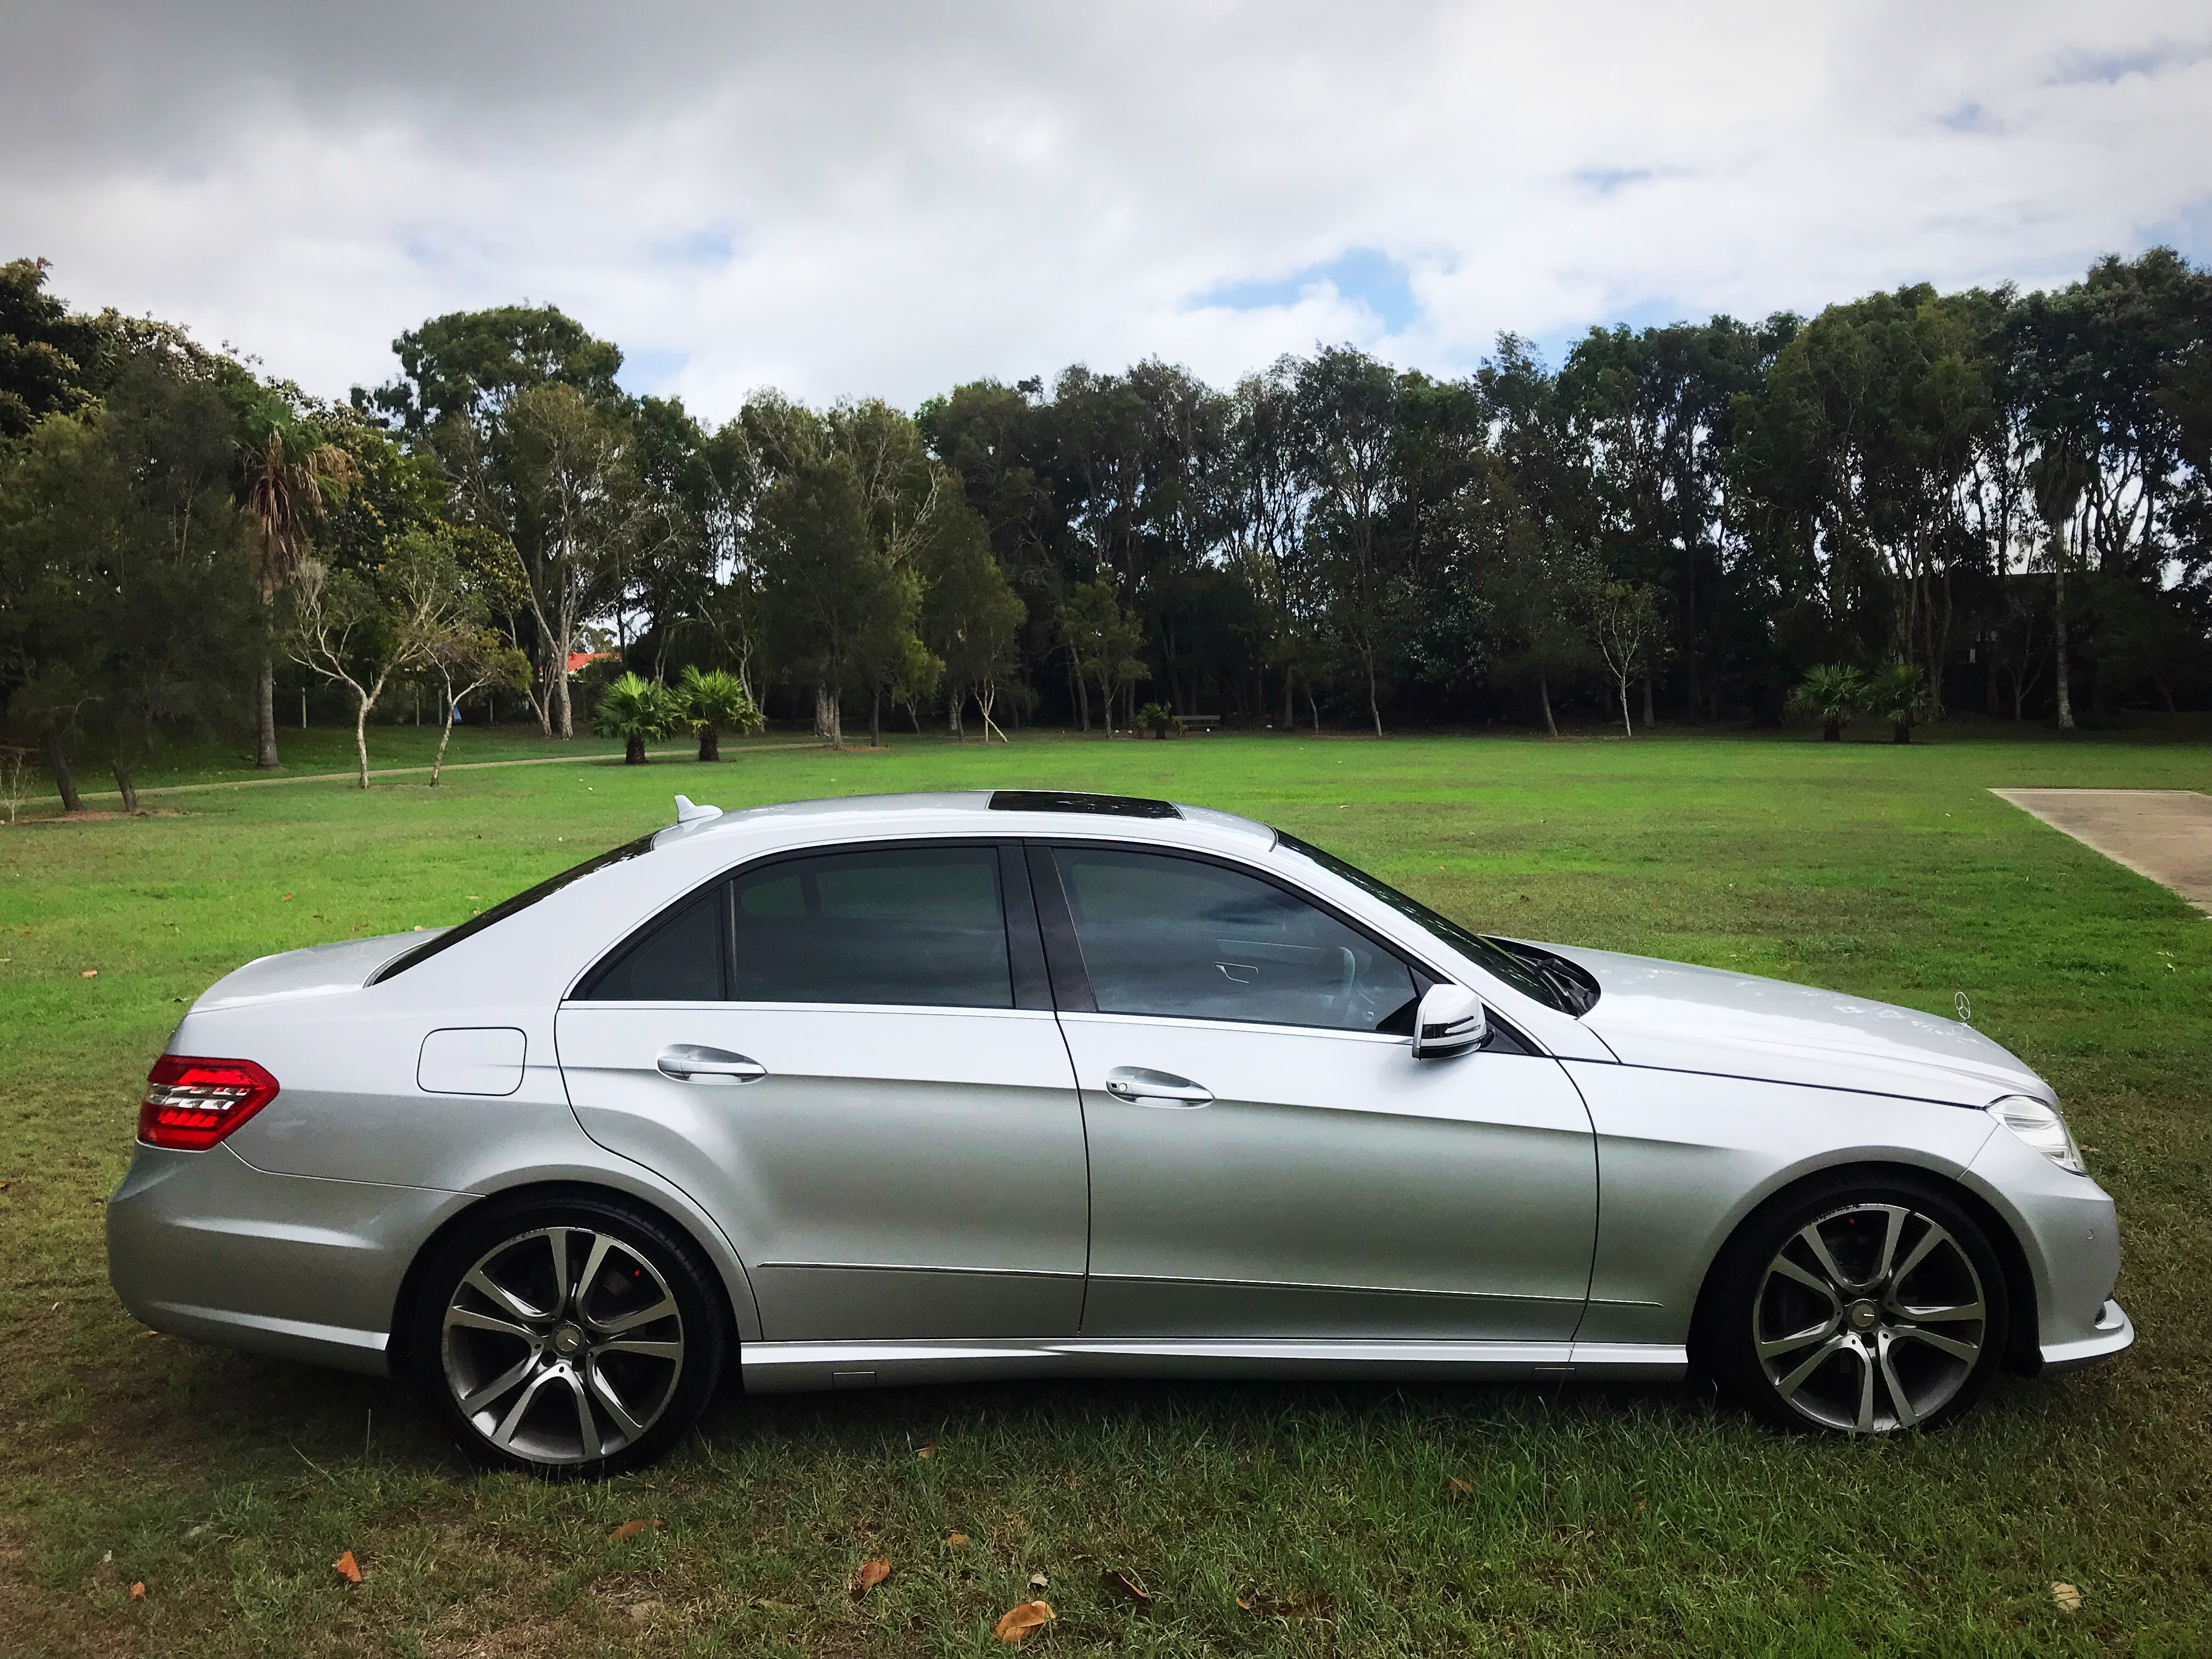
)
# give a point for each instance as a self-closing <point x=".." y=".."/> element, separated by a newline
<point x="580" y="1337"/>
<point x="1865" y="1307"/>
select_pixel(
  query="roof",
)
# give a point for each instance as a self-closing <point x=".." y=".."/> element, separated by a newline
<point x="1008" y="812"/>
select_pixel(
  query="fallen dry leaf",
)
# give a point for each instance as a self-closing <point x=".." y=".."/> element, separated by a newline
<point x="2067" y="1596"/>
<point x="630" y="1529"/>
<point x="872" y="1572"/>
<point x="89" y="972"/>
<point x="642" y="1611"/>
<point x="956" y="1540"/>
<point x="930" y="1450"/>
<point x="347" y="1568"/>
<point x="1038" y="1580"/>
<point x="138" y="1591"/>
<point x="1457" y="1487"/>
<point x="1021" y="1620"/>
<point x="1123" y="1584"/>
<point x="287" y="896"/>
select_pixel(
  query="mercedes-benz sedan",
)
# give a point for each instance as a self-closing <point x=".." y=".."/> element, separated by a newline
<point x="850" y="1093"/>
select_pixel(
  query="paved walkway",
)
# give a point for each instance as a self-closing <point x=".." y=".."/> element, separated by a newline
<point x="376" y="772"/>
<point x="2164" y="833"/>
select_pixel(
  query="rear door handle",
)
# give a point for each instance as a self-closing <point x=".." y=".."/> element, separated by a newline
<point x="1152" y="1088"/>
<point x="687" y="1062"/>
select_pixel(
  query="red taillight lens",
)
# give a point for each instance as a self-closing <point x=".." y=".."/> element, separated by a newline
<point x="192" y="1104"/>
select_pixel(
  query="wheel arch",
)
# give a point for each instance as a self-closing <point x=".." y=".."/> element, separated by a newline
<point x="2022" y="1351"/>
<point x="406" y="1301"/>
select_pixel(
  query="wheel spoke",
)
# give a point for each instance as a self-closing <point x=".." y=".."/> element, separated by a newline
<point x="1893" y="1226"/>
<point x="500" y="1384"/>
<point x="668" y="1350"/>
<point x="474" y="1321"/>
<point x="509" y="1302"/>
<point x="1775" y="1348"/>
<point x="1865" y="1423"/>
<point x="503" y="1436"/>
<point x="1819" y="1245"/>
<point x="1928" y="1240"/>
<point x="1907" y="1418"/>
<point x="1969" y="1352"/>
<point x="1788" y="1386"/>
<point x="1973" y="1310"/>
<point x="557" y="1237"/>
<point x="587" y="1426"/>
<point x="629" y="1322"/>
<point x="624" y="1417"/>
<point x="1789" y="1269"/>
<point x="589" y="1275"/>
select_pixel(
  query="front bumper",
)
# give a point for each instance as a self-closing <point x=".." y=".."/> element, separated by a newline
<point x="2112" y="1333"/>
<point x="204" y="1245"/>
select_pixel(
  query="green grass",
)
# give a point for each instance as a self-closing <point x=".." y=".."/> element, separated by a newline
<point x="1598" y="1521"/>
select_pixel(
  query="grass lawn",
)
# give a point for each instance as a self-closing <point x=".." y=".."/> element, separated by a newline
<point x="1278" y="1519"/>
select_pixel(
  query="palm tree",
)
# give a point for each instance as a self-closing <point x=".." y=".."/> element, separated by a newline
<point x="1831" y="694"/>
<point x="715" y="699"/>
<point x="633" y="710"/>
<point x="294" y="473"/>
<point x="1899" y="694"/>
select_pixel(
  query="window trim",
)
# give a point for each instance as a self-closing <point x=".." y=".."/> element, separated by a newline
<point x="1071" y="975"/>
<point x="1025" y="951"/>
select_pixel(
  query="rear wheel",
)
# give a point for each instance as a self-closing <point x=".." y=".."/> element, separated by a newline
<point x="1864" y="1308"/>
<point x="580" y="1337"/>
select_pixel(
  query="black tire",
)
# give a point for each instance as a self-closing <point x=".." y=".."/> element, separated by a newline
<point x="610" y="1384"/>
<point x="1824" y="1338"/>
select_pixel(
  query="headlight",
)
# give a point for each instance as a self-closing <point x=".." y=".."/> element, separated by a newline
<point x="2042" y="1128"/>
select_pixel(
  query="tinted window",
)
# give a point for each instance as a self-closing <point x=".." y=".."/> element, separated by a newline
<point x="676" y="960"/>
<point x="1164" y="935"/>
<point x="919" y="925"/>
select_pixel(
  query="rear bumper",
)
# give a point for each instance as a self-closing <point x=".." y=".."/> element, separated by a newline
<point x="203" y="1245"/>
<point x="2113" y="1333"/>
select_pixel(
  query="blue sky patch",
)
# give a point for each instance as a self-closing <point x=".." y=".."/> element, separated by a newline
<point x="1364" y="274"/>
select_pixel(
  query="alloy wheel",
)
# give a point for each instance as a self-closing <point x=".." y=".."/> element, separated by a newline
<point x="562" y="1345"/>
<point x="1870" y="1319"/>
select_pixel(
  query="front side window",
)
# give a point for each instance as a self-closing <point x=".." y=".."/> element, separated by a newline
<point x="1174" y="936"/>
<point x="919" y="926"/>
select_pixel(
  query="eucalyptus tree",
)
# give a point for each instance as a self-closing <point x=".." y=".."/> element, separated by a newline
<point x="1345" y="438"/>
<point x="50" y="357"/>
<point x="292" y="472"/>
<point x="971" y="618"/>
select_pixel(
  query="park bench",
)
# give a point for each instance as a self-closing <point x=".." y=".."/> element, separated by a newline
<point x="1199" y="722"/>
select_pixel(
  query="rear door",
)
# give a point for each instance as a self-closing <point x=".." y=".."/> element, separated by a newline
<point x="1267" y="1158"/>
<point x="850" y="1058"/>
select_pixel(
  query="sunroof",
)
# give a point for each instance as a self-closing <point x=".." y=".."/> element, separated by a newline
<point x="1067" y="800"/>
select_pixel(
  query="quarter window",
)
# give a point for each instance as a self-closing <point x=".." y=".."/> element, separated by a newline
<point x="919" y="926"/>
<point x="1176" y="936"/>
<point x="677" y="959"/>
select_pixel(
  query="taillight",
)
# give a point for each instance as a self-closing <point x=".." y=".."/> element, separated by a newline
<point x="191" y="1103"/>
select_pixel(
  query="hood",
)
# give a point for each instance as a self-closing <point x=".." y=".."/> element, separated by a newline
<point x="1673" y="1016"/>
<point x="316" y="971"/>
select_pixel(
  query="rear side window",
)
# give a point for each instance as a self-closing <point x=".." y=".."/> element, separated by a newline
<point x="1178" y="937"/>
<point x="923" y="926"/>
<point x="682" y="958"/>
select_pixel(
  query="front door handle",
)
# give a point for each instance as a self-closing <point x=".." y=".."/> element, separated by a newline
<point x="687" y="1062"/>
<point x="1156" y="1088"/>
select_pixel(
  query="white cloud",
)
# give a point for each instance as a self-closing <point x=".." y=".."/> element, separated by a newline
<point x="885" y="200"/>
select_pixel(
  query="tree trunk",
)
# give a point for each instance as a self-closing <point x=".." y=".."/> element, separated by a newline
<point x="2065" y="694"/>
<point x="1082" y="691"/>
<point x="876" y="717"/>
<point x="1106" y="703"/>
<point x="1374" y="708"/>
<point x="1290" y="708"/>
<point x="1832" y="731"/>
<point x="710" y="742"/>
<point x="541" y="690"/>
<point x="50" y="749"/>
<point x="1649" y="721"/>
<point x="445" y="736"/>
<point x="1313" y="708"/>
<point x="1543" y="696"/>
<point x="566" y="705"/>
<point x="265" y="717"/>
<point x="1901" y="732"/>
<point x="953" y="727"/>
<point x="1626" y="729"/>
<point x="633" y="750"/>
<point x="835" y="696"/>
<point x="361" y="736"/>
<point x="124" y="786"/>
<point x="825" y="715"/>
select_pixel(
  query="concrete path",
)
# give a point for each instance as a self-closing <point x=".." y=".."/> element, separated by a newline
<point x="2164" y="833"/>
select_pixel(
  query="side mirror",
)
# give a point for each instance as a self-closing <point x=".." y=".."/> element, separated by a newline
<point x="1449" y="1021"/>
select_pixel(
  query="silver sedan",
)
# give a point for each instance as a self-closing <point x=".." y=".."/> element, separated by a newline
<point x="923" y="1088"/>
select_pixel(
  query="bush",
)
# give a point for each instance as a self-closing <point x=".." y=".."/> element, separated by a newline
<point x="635" y="710"/>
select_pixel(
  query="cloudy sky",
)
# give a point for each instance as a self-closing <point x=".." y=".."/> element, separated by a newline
<point x="854" y="199"/>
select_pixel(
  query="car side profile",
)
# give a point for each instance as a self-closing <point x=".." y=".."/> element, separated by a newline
<point x="925" y="1088"/>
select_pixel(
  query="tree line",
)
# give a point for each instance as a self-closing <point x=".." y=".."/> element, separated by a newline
<point x="2002" y="494"/>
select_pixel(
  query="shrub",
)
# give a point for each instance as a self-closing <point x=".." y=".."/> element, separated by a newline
<point x="635" y="709"/>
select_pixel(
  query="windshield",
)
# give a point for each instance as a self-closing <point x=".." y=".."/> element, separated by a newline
<point x="1492" y="957"/>
<point x="506" y="908"/>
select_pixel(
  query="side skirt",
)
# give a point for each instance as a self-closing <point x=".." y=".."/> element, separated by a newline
<point x="797" y="1367"/>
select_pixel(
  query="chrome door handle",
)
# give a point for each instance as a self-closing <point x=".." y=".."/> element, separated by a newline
<point x="687" y="1062"/>
<point x="1156" y="1088"/>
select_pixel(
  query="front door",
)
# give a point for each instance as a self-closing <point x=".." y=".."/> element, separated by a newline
<point x="850" y="1059"/>
<point x="1267" y="1158"/>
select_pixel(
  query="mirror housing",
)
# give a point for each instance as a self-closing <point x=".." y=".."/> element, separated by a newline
<point x="1450" y="1021"/>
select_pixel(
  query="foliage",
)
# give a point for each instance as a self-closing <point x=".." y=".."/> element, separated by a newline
<point x="1159" y="720"/>
<point x="1898" y="695"/>
<point x="1626" y="625"/>
<point x="637" y="711"/>
<point x="1831" y="694"/>
<point x="715" y="701"/>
